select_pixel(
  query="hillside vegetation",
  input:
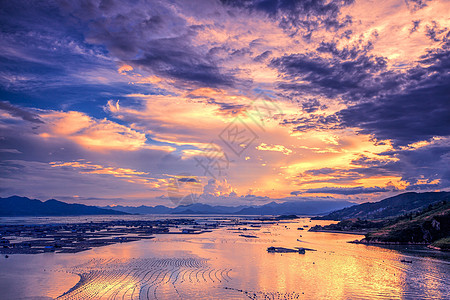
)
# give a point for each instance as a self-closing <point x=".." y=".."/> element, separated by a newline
<point x="426" y="227"/>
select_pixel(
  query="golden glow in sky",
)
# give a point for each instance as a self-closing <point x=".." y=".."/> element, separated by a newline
<point x="340" y="99"/>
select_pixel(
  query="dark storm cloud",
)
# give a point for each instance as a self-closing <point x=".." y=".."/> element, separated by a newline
<point x="404" y="107"/>
<point x="348" y="75"/>
<point x="413" y="116"/>
<point x="20" y="112"/>
<point x="153" y="37"/>
<point x="343" y="190"/>
<point x="418" y="112"/>
<point x="49" y="44"/>
<point x="300" y="16"/>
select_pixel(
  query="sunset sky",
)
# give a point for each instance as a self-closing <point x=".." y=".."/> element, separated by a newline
<point x="240" y="102"/>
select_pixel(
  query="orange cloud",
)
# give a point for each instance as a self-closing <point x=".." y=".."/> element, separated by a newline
<point x="94" y="134"/>
<point x="98" y="169"/>
<point x="277" y="148"/>
<point x="126" y="174"/>
<point x="124" y="69"/>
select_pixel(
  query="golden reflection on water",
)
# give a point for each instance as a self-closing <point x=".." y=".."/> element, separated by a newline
<point x="221" y="264"/>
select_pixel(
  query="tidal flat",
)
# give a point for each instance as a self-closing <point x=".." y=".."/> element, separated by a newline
<point x="224" y="263"/>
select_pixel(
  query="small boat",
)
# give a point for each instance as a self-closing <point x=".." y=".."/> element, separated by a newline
<point x="305" y="249"/>
<point x="300" y="228"/>
<point x="285" y="250"/>
<point x="249" y="236"/>
<point x="406" y="261"/>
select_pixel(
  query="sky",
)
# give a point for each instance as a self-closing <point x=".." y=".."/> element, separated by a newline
<point x="106" y="102"/>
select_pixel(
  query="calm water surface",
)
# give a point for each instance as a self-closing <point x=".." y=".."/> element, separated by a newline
<point x="223" y="265"/>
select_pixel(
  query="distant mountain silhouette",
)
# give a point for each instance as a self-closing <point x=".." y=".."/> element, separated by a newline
<point x="22" y="206"/>
<point x="389" y="207"/>
<point x="159" y="209"/>
<point x="297" y="208"/>
<point x="199" y="208"/>
<point x="272" y="208"/>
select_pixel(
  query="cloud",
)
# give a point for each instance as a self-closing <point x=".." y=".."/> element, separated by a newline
<point x="415" y="27"/>
<point x="276" y="148"/>
<point x="10" y="151"/>
<point x="404" y="107"/>
<point x="228" y="104"/>
<point x="418" y="168"/>
<point x="404" y="118"/>
<point x="20" y="112"/>
<point x="418" y="112"/>
<point x="89" y="168"/>
<point x="91" y="133"/>
<point x="342" y="190"/>
<point x="302" y="17"/>
<point x="312" y="105"/>
<point x="46" y="53"/>
<point x="25" y="178"/>
<point x="363" y="76"/>
<point x="416" y="4"/>
<point x="217" y="188"/>
<point x="155" y="37"/>
<point x="316" y="122"/>
<point x="360" y="94"/>
<point x="187" y="179"/>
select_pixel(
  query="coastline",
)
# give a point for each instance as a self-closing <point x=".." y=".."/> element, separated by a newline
<point x="339" y="231"/>
<point x="380" y="243"/>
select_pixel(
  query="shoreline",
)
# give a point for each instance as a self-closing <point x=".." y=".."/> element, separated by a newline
<point x="339" y="231"/>
<point x="380" y="243"/>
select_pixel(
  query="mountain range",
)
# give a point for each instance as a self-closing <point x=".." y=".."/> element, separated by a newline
<point x="15" y="206"/>
<point x="272" y="208"/>
<point x="335" y="210"/>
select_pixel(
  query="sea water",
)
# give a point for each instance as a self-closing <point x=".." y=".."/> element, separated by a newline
<point x="224" y="265"/>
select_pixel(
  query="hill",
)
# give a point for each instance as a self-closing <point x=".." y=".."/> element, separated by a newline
<point x="389" y="207"/>
<point x="15" y="206"/>
<point x="425" y="227"/>
<point x="428" y="226"/>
